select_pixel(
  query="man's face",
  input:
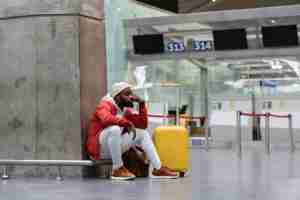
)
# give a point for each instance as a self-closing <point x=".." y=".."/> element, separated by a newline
<point x="124" y="98"/>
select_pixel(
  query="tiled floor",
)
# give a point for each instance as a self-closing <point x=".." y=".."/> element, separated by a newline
<point x="214" y="175"/>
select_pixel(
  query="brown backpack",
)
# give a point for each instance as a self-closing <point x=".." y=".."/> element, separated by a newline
<point x="136" y="162"/>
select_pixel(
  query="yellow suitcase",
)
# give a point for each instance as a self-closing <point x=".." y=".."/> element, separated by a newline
<point x="172" y="146"/>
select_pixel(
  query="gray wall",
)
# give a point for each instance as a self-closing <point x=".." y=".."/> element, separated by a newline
<point x="44" y="48"/>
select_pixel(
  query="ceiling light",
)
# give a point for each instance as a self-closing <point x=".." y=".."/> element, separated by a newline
<point x="294" y="65"/>
<point x="276" y="64"/>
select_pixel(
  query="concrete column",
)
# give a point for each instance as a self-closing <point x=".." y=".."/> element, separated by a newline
<point x="53" y="72"/>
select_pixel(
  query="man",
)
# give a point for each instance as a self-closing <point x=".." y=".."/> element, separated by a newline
<point x="115" y="128"/>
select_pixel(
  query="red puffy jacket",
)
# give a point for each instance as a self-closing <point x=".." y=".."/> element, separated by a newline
<point x="106" y="116"/>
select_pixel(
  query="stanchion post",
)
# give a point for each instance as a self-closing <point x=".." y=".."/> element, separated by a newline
<point x="59" y="174"/>
<point x="291" y="133"/>
<point x="165" y="119"/>
<point x="177" y="119"/>
<point x="4" y="173"/>
<point x="239" y="134"/>
<point x="267" y="134"/>
<point x="206" y="134"/>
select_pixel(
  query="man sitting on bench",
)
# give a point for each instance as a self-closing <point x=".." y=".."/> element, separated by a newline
<point x="115" y="127"/>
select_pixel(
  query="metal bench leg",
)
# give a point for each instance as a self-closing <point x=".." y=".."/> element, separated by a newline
<point x="59" y="174"/>
<point x="5" y="175"/>
<point x="103" y="171"/>
<point x="107" y="171"/>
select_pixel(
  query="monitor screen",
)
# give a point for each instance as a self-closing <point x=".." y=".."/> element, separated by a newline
<point x="230" y="39"/>
<point x="276" y="36"/>
<point x="148" y="44"/>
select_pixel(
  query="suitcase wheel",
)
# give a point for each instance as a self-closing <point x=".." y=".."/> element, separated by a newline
<point x="181" y="174"/>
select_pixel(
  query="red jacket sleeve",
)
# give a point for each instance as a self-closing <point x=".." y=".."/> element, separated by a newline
<point x="140" y="119"/>
<point x="104" y="113"/>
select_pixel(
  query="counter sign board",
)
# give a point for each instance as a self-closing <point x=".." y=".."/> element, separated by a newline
<point x="202" y="45"/>
<point x="196" y="45"/>
<point x="177" y="44"/>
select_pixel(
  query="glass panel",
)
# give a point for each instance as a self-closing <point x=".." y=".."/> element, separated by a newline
<point x="115" y="12"/>
<point x="116" y="39"/>
<point x="166" y="79"/>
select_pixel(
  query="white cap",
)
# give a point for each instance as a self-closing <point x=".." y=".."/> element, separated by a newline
<point x="117" y="88"/>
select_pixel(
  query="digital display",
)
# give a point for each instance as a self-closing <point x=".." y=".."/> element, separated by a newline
<point x="148" y="44"/>
<point x="276" y="36"/>
<point x="230" y="39"/>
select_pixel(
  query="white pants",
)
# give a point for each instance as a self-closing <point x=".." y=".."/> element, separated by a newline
<point x="114" y="144"/>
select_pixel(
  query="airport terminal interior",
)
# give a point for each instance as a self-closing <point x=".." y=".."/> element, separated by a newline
<point x="226" y="71"/>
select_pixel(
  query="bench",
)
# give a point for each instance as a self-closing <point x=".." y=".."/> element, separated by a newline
<point x="58" y="163"/>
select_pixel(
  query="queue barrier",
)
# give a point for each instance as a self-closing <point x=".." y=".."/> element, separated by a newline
<point x="267" y="130"/>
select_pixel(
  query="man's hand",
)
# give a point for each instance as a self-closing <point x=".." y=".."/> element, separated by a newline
<point x="132" y="130"/>
<point x="137" y="99"/>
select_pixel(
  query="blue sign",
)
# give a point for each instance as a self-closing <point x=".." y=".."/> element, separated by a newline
<point x="176" y="47"/>
<point x="202" y="45"/>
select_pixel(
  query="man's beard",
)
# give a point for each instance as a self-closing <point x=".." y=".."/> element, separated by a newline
<point x="128" y="104"/>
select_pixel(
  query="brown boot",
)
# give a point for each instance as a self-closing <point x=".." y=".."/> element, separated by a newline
<point x="164" y="172"/>
<point x="122" y="174"/>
